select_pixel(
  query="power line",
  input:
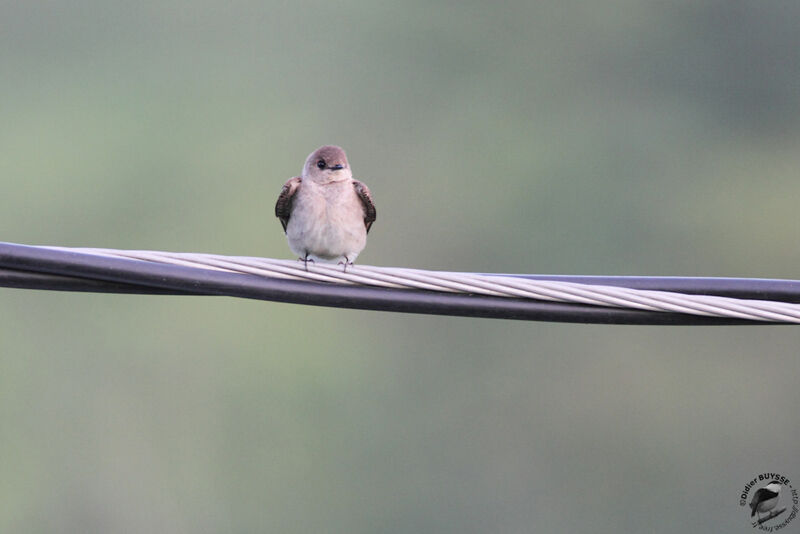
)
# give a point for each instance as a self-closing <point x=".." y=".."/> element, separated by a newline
<point x="618" y="300"/>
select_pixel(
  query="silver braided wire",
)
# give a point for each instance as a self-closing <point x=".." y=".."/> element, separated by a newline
<point x="480" y="284"/>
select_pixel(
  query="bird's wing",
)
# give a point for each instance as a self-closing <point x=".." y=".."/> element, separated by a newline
<point x="366" y="199"/>
<point x="758" y="496"/>
<point x="283" y="207"/>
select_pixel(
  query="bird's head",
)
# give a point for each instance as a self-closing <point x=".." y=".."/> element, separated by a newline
<point x="774" y="486"/>
<point x="327" y="164"/>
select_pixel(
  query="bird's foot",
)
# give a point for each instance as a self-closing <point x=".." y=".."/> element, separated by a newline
<point x="305" y="261"/>
<point x="345" y="263"/>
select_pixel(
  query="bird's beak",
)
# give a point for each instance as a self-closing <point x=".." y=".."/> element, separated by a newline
<point x="337" y="167"/>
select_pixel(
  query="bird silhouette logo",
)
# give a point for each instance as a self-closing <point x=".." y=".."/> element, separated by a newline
<point x="771" y="500"/>
<point x="765" y="499"/>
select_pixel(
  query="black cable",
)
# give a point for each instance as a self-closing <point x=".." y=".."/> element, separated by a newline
<point x="56" y="282"/>
<point x="23" y="266"/>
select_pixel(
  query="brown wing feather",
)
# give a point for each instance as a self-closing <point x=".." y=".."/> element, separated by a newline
<point x="283" y="207"/>
<point x="366" y="199"/>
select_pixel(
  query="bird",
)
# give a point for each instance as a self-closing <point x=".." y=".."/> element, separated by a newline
<point x="325" y="213"/>
<point x="765" y="499"/>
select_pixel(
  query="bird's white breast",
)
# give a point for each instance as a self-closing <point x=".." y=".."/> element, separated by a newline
<point x="327" y="221"/>
<point x="768" y="504"/>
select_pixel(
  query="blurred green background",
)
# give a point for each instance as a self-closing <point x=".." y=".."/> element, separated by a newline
<point x="622" y="137"/>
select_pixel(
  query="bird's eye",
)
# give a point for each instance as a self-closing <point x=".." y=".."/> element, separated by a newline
<point x="321" y="164"/>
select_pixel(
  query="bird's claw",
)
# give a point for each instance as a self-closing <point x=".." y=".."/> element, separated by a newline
<point x="305" y="261"/>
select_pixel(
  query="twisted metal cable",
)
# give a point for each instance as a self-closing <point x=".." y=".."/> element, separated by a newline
<point x="504" y="286"/>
